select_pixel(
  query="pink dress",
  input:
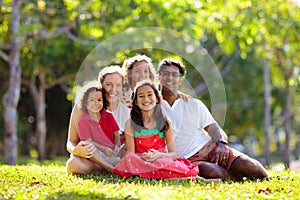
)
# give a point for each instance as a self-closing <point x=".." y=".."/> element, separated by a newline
<point x="163" y="167"/>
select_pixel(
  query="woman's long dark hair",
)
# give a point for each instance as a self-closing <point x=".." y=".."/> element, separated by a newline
<point x="136" y="113"/>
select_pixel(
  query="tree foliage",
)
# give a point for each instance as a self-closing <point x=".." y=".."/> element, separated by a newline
<point x="239" y="36"/>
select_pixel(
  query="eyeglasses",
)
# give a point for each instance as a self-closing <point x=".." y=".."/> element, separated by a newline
<point x="173" y="74"/>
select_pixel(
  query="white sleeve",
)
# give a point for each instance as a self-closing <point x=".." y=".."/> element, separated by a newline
<point x="206" y="117"/>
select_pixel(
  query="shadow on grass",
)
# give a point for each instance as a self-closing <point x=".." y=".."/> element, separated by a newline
<point x="114" y="179"/>
<point x="76" y="195"/>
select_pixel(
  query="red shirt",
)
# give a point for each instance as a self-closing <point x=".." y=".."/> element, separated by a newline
<point x="101" y="132"/>
<point x="108" y="124"/>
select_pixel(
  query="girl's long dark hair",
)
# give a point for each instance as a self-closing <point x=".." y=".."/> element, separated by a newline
<point x="137" y="123"/>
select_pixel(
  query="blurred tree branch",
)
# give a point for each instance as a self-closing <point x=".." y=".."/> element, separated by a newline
<point x="4" y="56"/>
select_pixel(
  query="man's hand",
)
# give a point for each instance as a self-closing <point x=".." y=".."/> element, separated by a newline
<point x="84" y="149"/>
<point x="222" y="155"/>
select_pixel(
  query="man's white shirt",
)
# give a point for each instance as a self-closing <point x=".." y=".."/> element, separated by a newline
<point x="188" y="121"/>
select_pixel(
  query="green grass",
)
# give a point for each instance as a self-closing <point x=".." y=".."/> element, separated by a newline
<point x="49" y="180"/>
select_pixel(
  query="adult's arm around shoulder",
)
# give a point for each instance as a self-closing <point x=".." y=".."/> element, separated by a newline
<point x="73" y="136"/>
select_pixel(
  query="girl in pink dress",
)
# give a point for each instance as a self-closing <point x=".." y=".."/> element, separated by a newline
<point x="149" y="140"/>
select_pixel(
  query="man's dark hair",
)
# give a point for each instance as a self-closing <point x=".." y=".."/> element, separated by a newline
<point x="169" y="62"/>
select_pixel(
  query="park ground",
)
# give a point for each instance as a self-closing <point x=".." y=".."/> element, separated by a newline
<point x="48" y="180"/>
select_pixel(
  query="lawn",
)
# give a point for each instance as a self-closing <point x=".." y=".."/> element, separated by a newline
<point x="48" y="180"/>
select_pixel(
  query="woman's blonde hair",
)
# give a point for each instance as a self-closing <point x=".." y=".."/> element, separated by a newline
<point x="110" y="70"/>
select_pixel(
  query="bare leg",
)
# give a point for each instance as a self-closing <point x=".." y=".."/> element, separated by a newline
<point x="213" y="171"/>
<point x="97" y="158"/>
<point x="78" y="165"/>
<point x="245" y="166"/>
<point x="96" y="164"/>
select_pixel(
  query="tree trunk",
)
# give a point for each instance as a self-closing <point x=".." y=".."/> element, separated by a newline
<point x="41" y="126"/>
<point x="38" y="95"/>
<point x="267" y="110"/>
<point x="41" y="117"/>
<point x="287" y="126"/>
<point x="11" y="97"/>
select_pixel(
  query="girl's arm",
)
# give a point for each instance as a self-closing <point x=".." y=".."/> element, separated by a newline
<point x="117" y="139"/>
<point x="130" y="146"/>
<point x="117" y="142"/>
<point x="170" y="142"/>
